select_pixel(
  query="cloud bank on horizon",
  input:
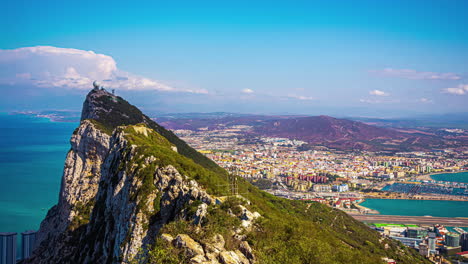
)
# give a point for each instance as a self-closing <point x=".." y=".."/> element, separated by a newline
<point x="459" y="90"/>
<point x="45" y="69"/>
<point x="52" y="67"/>
<point x="417" y="75"/>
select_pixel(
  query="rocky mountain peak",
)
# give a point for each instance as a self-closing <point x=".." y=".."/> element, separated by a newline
<point x="133" y="192"/>
<point x="94" y="102"/>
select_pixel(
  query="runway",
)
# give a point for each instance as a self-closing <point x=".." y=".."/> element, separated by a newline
<point x="421" y="220"/>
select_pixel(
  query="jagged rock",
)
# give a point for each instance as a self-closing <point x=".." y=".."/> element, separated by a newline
<point x="212" y="257"/>
<point x="200" y="213"/>
<point x="198" y="259"/>
<point x="191" y="247"/>
<point x="167" y="238"/>
<point x="80" y="182"/>
<point x="231" y="257"/>
<point x="214" y="261"/>
<point x="239" y="236"/>
<point x="215" y="244"/>
<point x="242" y="258"/>
<point x="247" y="217"/>
<point x="245" y="248"/>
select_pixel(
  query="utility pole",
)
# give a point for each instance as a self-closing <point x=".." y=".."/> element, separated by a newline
<point x="233" y="185"/>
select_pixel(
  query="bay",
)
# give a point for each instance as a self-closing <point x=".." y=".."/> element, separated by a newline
<point x="451" y="177"/>
<point x="418" y="207"/>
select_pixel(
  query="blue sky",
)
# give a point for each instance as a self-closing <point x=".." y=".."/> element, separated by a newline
<point x="368" y="58"/>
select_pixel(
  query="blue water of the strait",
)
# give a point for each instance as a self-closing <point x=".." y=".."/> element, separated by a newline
<point x="451" y="177"/>
<point x="32" y="155"/>
<point x="418" y="207"/>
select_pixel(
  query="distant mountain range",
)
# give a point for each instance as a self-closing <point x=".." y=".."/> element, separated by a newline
<point x="346" y="134"/>
<point x="342" y="134"/>
<point x="354" y="133"/>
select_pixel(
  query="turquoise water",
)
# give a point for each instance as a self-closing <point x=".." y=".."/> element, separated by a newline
<point x="451" y="177"/>
<point x="32" y="154"/>
<point x="418" y="207"/>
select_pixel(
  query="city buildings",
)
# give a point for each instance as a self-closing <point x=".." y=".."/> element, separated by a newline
<point x="416" y="232"/>
<point x="432" y="242"/>
<point x="283" y="162"/>
<point x="452" y="239"/>
<point x="340" y="188"/>
<point x="28" y="240"/>
<point x="8" y="248"/>
<point x="464" y="241"/>
<point x="407" y="241"/>
<point x="424" y="249"/>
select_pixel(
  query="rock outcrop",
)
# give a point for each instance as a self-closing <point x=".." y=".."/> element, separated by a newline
<point x="133" y="192"/>
<point x="81" y="177"/>
<point x="108" y="204"/>
<point x="114" y="198"/>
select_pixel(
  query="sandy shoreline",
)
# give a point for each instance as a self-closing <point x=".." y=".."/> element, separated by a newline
<point x="365" y="209"/>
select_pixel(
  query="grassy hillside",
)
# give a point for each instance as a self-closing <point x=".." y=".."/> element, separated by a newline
<point x="288" y="231"/>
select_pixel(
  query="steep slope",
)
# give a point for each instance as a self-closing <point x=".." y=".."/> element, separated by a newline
<point x="132" y="192"/>
<point x="111" y="111"/>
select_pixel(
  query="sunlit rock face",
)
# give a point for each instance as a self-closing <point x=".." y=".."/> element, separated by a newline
<point x="115" y="197"/>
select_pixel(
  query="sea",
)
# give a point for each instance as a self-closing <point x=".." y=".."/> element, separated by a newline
<point x="418" y="207"/>
<point x="451" y="177"/>
<point x="32" y="155"/>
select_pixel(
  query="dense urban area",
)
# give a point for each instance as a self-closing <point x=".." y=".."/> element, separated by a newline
<point x="343" y="180"/>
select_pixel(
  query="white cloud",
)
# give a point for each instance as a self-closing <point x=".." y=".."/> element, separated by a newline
<point x="378" y="93"/>
<point x="459" y="90"/>
<point x="49" y="67"/>
<point x="379" y="101"/>
<point x="369" y="101"/>
<point x="300" y="97"/>
<point x="417" y="75"/>
<point x="248" y="91"/>
<point x="425" y="100"/>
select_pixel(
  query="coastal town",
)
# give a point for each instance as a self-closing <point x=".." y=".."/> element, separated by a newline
<point x="279" y="164"/>
<point x="343" y="180"/>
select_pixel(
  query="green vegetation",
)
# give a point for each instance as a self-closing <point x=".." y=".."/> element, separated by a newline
<point x="153" y="144"/>
<point x="288" y="231"/>
<point x="218" y="221"/>
<point x="262" y="184"/>
<point x="392" y="225"/>
<point x="161" y="253"/>
<point x="119" y="112"/>
<point x="296" y="232"/>
<point x="83" y="212"/>
<point x="101" y="127"/>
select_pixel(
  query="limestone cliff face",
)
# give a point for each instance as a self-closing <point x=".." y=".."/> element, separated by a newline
<point x="115" y="195"/>
<point x="102" y="183"/>
<point x="127" y="216"/>
<point x="81" y="176"/>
